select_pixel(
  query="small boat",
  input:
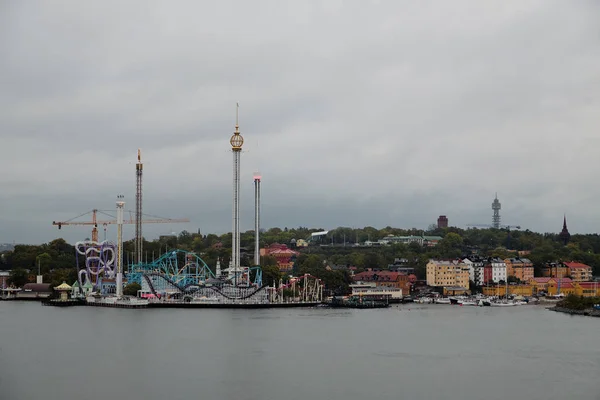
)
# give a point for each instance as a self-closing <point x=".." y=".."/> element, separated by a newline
<point x="467" y="303"/>
<point x="442" y="301"/>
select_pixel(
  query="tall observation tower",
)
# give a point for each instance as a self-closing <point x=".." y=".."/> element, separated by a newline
<point x="496" y="217"/>
<point x="119" y="282"/>
<point x="139" y="241"/>
<point x="257" y="178"/>
<point x="236" y="142"/>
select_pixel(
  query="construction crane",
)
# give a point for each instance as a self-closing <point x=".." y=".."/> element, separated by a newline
<point x="95" y="222"/>
<point x="508" y="227"/>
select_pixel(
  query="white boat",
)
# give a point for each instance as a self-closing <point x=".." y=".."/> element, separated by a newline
<point x="442" y="301"/>
<point x="503" y="304"/>
<point x="508" y="303"/>
<point x="467" y="303"/>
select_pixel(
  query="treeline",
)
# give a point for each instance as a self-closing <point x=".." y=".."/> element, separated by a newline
<point x="56" y="259"/>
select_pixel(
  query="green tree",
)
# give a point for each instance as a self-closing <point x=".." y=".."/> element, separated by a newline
<point x="18" y="277"/>
<point x="132" y="289"/>
<point x="43" y="262"/>
<point x="271" y="275"/>
<point x="451" y="245"/>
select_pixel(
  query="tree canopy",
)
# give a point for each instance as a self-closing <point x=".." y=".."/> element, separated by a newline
<point x="57" y="260"/>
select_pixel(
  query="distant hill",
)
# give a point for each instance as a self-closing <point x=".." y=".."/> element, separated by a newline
<point x="6" y="247"/>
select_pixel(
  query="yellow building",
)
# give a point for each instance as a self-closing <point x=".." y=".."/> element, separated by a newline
<point x="513" y="290"/>
<point x="541" y="284"/>
<point x="554" y="270"/>
<point x="560" y="286"/>
<point x="579" y="272"/>
<point x="587" y="289"/>
<point x="520" y="268"/>
<point x="445" y="273"/>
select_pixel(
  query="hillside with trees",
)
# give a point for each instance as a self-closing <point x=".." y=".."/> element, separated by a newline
<point x="57" y="261"/>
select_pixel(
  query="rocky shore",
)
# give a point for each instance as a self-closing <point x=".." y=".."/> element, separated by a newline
<point x="589" y="312"/>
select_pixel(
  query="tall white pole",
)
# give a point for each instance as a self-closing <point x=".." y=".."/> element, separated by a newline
<point x="120" y="204"/>
<point x="236" y="142"/>
<point x="257" y="179"/>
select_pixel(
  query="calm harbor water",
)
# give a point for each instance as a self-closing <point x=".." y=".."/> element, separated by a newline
<point x="405" y="352"/>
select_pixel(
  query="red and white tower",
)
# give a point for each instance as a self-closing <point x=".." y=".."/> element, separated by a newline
<point x="139" y="241"/>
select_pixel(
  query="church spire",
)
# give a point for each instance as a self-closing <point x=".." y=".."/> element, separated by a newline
<point x="564" y="235"/>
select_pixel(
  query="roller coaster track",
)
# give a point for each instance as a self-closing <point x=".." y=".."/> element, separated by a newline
<point x="148" y="279"/>
<point x="235" y="298"/>
<point x="183" y="290"/>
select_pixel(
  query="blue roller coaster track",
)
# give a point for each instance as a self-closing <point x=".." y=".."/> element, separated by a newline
<point x="181" y="267"/>
<point x="184" y="268"/>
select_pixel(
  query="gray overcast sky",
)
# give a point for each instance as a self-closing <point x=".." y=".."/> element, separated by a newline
<point x="356" y="112"/>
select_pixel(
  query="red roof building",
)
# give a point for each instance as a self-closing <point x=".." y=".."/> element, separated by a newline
<point x="579" y="272"/>
<point x="285" y="257"/>
<point x="386" y="278"/>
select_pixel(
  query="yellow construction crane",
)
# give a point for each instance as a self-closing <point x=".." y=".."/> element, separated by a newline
<point x="94" y="222"/>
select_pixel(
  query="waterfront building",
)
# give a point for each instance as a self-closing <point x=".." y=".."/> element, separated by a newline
<point x="540" y="284"/>
<point x="371" y="290"/>
<point x="64" y="290"/>
<point x="554" y="270"/>
<point x="448" y="273"/>
<point x="561" y="286"/>
<point x="35" y="291"/>
<point x="386" y="279"/>
<point x="499" y="270"/>
<point x="520" y="268"/>
<point x="85" y="291"/>
<point x="513" y="290"/>
<point x="579" y="272"/>
<point x="487" y="273"/>
<point x="4" y="275"/>
<point x="587" y="289"/>
<point x="476" y="270"/>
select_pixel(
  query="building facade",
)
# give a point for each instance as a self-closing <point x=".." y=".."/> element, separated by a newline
<point x="579" y="272"/>
<point x="477" y="270"/>
<point x="554" y="270"/>
<point x="4" y="275"/>
<point x="386" y="279"/>
<point x="520" y="268"/>
<point x="499" y="270"/>
<point x="285" y="257"/>
<point x="447" y="273"/>
<point x="442" y="222"/>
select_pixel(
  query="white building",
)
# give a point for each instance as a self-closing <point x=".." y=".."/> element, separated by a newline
<point x="475" y="265"/>
<point x="498" y="270"/>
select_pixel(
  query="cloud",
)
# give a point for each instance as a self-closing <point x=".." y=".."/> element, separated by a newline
<point x="357" y="113"/>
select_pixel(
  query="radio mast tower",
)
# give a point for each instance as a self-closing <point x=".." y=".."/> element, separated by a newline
<point x="139" y="241"/>
<point x="496" y="218"/>
<point x="236" y="142"/>
<point x="257" y="179"/>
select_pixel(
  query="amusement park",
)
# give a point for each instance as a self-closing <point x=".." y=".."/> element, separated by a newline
<point x="178" y="278"/>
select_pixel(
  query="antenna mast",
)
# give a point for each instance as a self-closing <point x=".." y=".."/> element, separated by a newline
<point x="496" y="217"/>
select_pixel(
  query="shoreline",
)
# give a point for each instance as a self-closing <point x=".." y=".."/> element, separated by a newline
<point x="586" y="313"/>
